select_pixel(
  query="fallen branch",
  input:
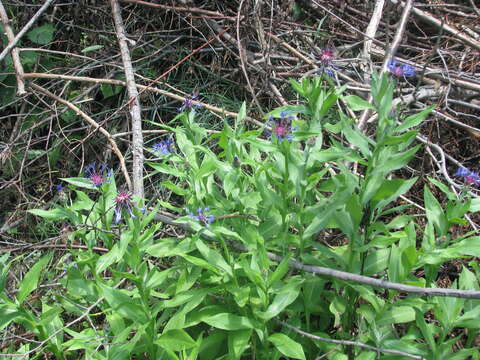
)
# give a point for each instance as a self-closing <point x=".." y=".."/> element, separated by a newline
<point x="133" y="103"/>
<point x="215" y="109"/>
<point x="348" y="342"/>
<point x="92" y="122"/>
<point x="27" y="27"/>
<point x="342" y="275"/>
<point x="15" y="53"/>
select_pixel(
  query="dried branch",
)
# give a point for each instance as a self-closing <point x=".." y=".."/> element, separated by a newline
<point x="15" y="53"/>
<point x="215" y="109"/>
<point x="343" y="275"/>
<point x="92" y="122"/>
<point x="133" y="103"/>
<point x="27" y="27"/>
<point x="348" y="342"/>
<point x="448" y="28"/>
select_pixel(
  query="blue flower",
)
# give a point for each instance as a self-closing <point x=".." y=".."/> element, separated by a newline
<point x="202" y="217"/>
<point x="59" y="187"/>
<point x="282" y="127"/>
<point x="189" y="103"/>
<point x="326" y="57"/>
<point x="97" y="176"/>
<point x="163" y="147"/>
<point x="401" y="69"/>
<point x="123" y="202"/>
<point x="470" y="177"/>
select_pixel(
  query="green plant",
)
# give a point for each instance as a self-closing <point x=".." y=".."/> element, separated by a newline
<point x="316" y="189"/>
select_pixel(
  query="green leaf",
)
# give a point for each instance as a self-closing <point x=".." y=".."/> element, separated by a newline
<point x="167" y="169"/>
<point x="41" y="35"/>
<point x="414" y="120"/>
<point x="176" y="340"/>
<point x="280" y="271"/>
<point x="91" y="48"/>
<point x="435" y="212"/>
<point x="426" y="332"/>
<point x="396" y="315"/>
<point x="285" y="297"/>
<point x="80" y="182"/>
<point x="238" y="342"/>
<point x="108" y="259"/>
<point x="287" y="346"/>
<point x="124" y="305"/>
<point x="356" y="103"/>
<point x="30" y="280"/>
<point x="227" y="321"/>
<point x="213" y="257"/>
<point x="52" y="214"/>
<point x="9" y="313"/>
<point x="390" y="190"/>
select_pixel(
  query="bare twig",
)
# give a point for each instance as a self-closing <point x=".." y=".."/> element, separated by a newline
<point x="92" y="122"/>
<point x="448" y="28"/>
<point x="372" y="27"/>
<point x="389" y="55"/>
<point x="243" y="61"/>
<point x="342" y="275"/>
<point x="215" y="109"/>
<point x="27" y="27"/>
<point x="348" y="342"/>
<point x="133" y="102"/>
<point x="15" y="53"/>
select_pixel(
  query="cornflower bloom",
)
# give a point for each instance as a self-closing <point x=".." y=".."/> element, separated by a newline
<point x="202" y="217"/>
<point x="401" y="69"/>
<point x="163" y="147"/>
<point x="189" y="103"/>
<point x="326" y="57"/>
<point x="98" y="177"/>
<point x="282" y="127"/>
<point x="470" y="177"/>
<point x="123" y="202"/>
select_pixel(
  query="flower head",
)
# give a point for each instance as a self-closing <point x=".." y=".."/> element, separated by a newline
<point x="97" y="175"/>
<point x="123" y="202"/>
<point x="59" y="187"/>
<point x="282" y="127"/>
<point x="326" y="57"/>
<point x="163" y="147"/>
<point x="401" y="69"/>
<point x="202" y="217"/>
<point x="189" y="103"/>
<point x="470" y="177"/>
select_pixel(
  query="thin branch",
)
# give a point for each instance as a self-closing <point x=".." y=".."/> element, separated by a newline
<point x="15" y="53"/>
<point x="342" y="275"/>
<point x="372" y="27"/>
<point x="133" y="102"/>
<point x="398" y="35"/>
<point x="389" y="55"/>
<point x="27" y="27"/>
<point x="348" y="342"/>
<point x="450" y="29"/>
<point x="92" y="122"/>
<point x="215" y="109"/>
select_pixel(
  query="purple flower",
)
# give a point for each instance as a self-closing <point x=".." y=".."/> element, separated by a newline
<point x="189" y="103"/>
<point x="401" y="69"/>
<point x="202" y="217"/>
<point x="97" y="176"/>
<point x="124" y="202"/>
<point x="163" y="147"/>
<point x="470" y="177"/>
<point x="282" y="127"/>
<point x="59" y="187"/>
<point x="326" y="57"/>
